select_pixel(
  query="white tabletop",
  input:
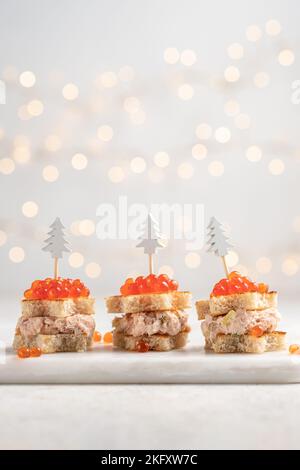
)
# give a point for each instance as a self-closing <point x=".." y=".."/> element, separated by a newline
<point x="149" y="416"/>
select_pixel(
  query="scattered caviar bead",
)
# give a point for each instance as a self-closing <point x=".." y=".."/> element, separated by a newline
<point x="35" y="352"/>
<point x="28" y="294"/>
<point x="142" y="347"/>
<point x="108" y="337"/>
<point x="148" y="284"/>
<point x="97" y="336"/>
<point x="256" y="331"/>
<point x="23" y="353"/>
<point x="294" y="348"/>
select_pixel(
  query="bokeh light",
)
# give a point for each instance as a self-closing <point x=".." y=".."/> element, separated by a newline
<point x="50" y="173"/>
<point x="3" y="238"/>
<point x="286" y="57"/>
<point x="235" y="51"/>
<point x="273" y="27"/>
<point x="35" y="108"/>
<point x="188" y="57"/>
<point x="276" y="167"/>
<point x="216" y="168"/>
<point x="53" y="143"/>
<point x="132" y="104"/>
<point x="93" y="270"/>
<point x="261" y="79"/>
<point x="185" y="170"/>
<point x="76" y="260"/>
<point x="253" y="33"/>
<point x="162" y="159"/>
<point x="105" y="133"/>
<point x="16" y="254"/>
<point x="192" y="260"/>
<point x="70" y="92"/>
<point x="263" y="265"/>
<point x="222" y="135"/>
<point x="171" y="55"/>
<point x="79" y="161"/>
<point x="242" y="121"/>
<point x="199" y="151"/>
<point x="253" y="153"/>
<point x="232" y="74"/>
<point x="185" y="92"/>
<point x="232" y="108"/>
<point x="30" y="209"/>
<point x="86" y="227"/>
<point x="138" y="165"/>
<point x="108" y="79"/>
<point x="7" y="166"/>
<point x="116" y="174"/>
<point x="289" y="266"/>
<point x="204" y="131"/>
<point x="27" y="79"/>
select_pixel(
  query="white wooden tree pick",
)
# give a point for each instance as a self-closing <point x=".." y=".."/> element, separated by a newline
<point x="55" y="243"/>
<point x="218" y="242"/>
<point x="151" y="239"/>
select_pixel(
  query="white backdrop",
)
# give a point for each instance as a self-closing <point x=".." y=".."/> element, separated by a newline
<point x="115" y="50"/>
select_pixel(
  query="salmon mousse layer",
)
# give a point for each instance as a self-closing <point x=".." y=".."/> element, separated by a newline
<point x="152" y="323"/>
<point x="79" y="324"/>
<point x="240" y="322"/>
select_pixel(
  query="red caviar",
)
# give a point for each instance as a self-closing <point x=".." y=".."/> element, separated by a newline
<point x="237" y="284"/>
<point x="35" y="352"/>
<point x="23" y="353"/>
<point x="142" y="347"/>
<point x="108" y="337"/>
<point x="51" y="289"/>
<point x="149" y="284"/>
<point x="97" y="336"/>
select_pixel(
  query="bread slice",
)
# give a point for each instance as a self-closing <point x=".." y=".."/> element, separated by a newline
<point x="172" y="300"/>
<point x="54" y="343"/>
<point x="155" y="342"/>
<point x="202" y="308"/>
<point x="274" y="341"/>
<point x="59" y="308"/>
<point x="220" y="305"/>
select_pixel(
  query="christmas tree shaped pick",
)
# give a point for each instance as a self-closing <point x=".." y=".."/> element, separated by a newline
<point x="151" y="239"/>
<point x="55" y="243"/>
<point x="218" y="241"/>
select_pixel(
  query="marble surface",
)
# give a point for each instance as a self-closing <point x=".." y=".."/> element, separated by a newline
<point x="152" y="416"/>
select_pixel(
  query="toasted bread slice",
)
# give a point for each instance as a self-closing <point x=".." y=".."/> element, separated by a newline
<point x="202" y="308"/>
<point x="220" y="305"/>
<point x="275" y="341"/>
<point x="54" y="343"/>
<point x="155" y="342"/>
<point x="172" y="300"/>
<point x="59" y="308"/>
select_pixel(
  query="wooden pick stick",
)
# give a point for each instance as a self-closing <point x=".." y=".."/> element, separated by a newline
<point x="150" y="264"/>
<point x="225" y="265"/>
<point x="55" y="268"/>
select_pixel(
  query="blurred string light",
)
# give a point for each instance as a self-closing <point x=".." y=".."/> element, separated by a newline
<point x="188" y="57"/>
<point x="261" y="79"/>
<point x="53" y="143"/>
<point x="35" y="108"/>
<point x="76" y="260"/>
<point x="138" y="165"/>
<point x="79" y="161"/>
<point x="232" y="74"/>
<point x="276" y="167"/>
<point x="242" y="121"/>
<point x="166" y="269"/>
<point x="253" y="33"/>
<point x="7" y="166"/>
<point x="161" y="159"/>
<point x="273" y="27"/>
<point x="16" y="254"/>
<point x="222" y="135"/>
<point x="263" y="265"/>
<point x="185" y="92"/>
<point x="192" y="260"/>
<point x="204" y="131"/>
<point x="21" y="154"/>
<point x="93" y="270"/>
<point x="105" y="133"/>
<point x="199" y="151"/>
<point x="216" y="168"/>
<point x="126" y="73"/>
<point x="50" y="173"/>
<point x="108" y="79"/>
<point x="3" y="238"/>
<point x="286" y="57"/>
<point x="185" y="170"/>
<point x="138" y="118"/>
<point x="74" y="228"/>
<point x="116" y="174"/>
<point x="30" y="209"/>
<point x="131" y="104"/>
<point x="231" y="108"/>
<point x="171" y="55"/>
<point x="27" y="79"/>
<point x="254" y="153"/>
<point x="70" y="92"/>
<point x="289" y="266"/>
<point x="235" y="51"/>
<point x="86" y="227"/>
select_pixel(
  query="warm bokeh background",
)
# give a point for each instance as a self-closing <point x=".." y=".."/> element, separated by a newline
<point x="120" y="82"/>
